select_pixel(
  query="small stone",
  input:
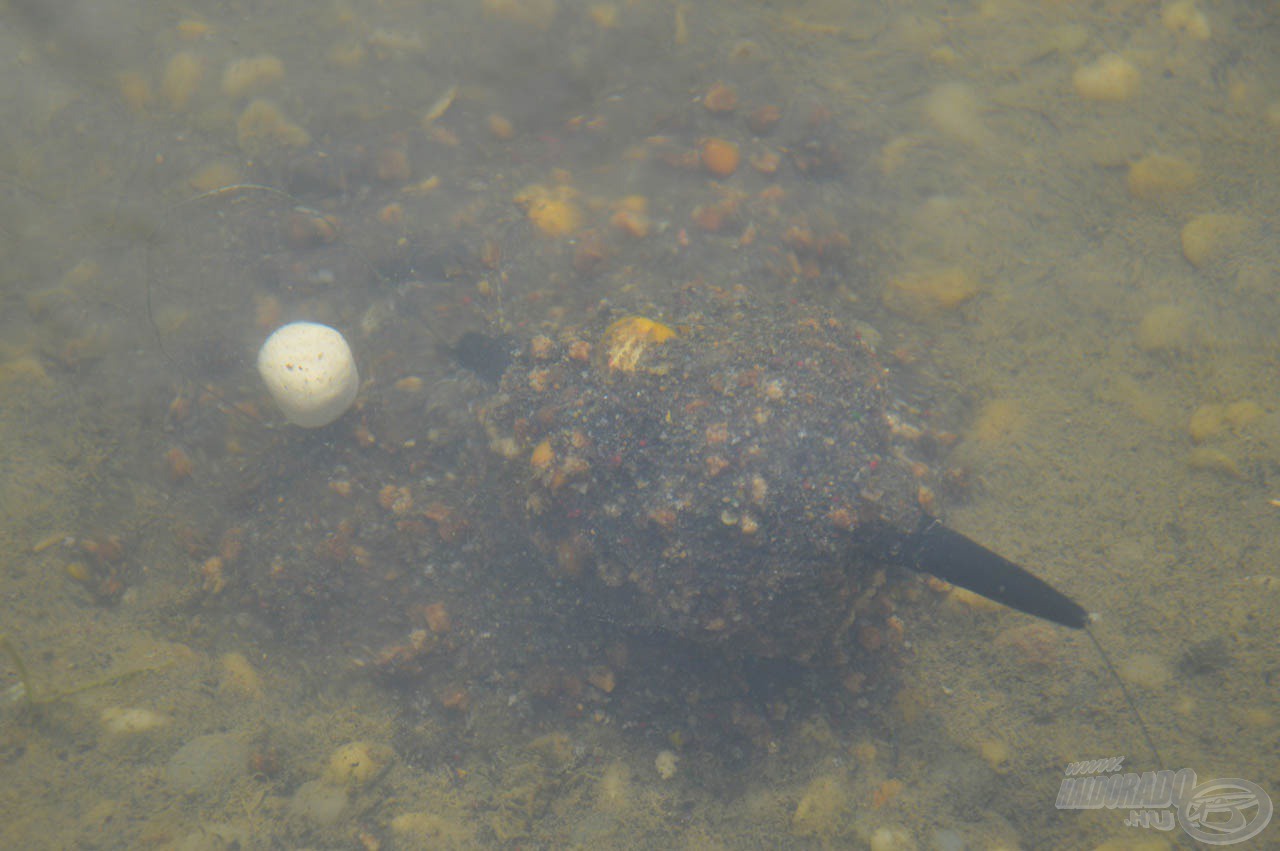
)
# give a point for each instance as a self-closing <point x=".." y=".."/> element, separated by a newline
<point x="1211" y="236"/>
<point x="1160" y="176"/>
<point x="263" y="126"/>
<point x="1207" y="421"/>
<point x="130" y="721"/>
<point x="500" y="127"/>
<point x="244" y="76"/>
<point x="357" y="764"/>
<point x="1167" y="327"/>
<point x="925" y="293"/>
<point x="239" y="676"/>
<point x="1212" y="460"/>
<point x="995" y="753"/>
<point x="430" y="830"/>
<point x="319" y="803"/>
<point x="437" y="618"/>
<point x="892" y="839"/>
<point x="601" y="676"/>
<point x="1184" y="18"/>
<point x="720" y="98"/>
<point x="208" y="765"/>
<point x="181" y="78"/>
<point x="820" y="808"/>
<point x="1110" y="78"/>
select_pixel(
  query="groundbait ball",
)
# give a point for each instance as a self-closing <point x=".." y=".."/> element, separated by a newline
<point x="310" y="371"/>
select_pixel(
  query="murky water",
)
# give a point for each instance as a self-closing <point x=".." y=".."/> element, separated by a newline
<point x="1057" y="220"/>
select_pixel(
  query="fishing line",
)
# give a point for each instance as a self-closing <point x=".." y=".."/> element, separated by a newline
<point x="1128" y="698"/>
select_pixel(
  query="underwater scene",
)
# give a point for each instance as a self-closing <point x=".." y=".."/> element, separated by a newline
<point x="639" y="424"/>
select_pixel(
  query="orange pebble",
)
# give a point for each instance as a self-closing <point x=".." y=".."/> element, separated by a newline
<point x="720" y="157"/>
<point x="887" y="791"/>
<point x="633" y="224"/>
<point x="437" y="617"/>
<point x="720" y="98"/>
<point x="500" y="126"/>
<point x="178" y="464"/>
<point x="455" y="698"/>
<point x="392" y="214"/>
<point x="763" y="119"/>
<point x="766" y="162"/>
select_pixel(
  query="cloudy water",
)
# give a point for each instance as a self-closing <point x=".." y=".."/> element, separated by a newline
<point x="1049" y="227"/>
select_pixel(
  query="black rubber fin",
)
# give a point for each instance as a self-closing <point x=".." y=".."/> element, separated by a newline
<point x="950" y="556"/>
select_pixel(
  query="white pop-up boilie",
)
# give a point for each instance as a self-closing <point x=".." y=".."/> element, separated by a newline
<point x="310" y="371"/>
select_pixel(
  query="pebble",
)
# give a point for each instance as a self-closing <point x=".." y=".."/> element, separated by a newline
<point x="1210" y="236"/>
<point x="820" y="808"/>
<point x="357" y="764"/>
<point x="1184" y="18"/>
<point x="244" y="76"/>
<point x="320" y="803"/>
<point x="1110" y="78"/>
<point x="206" y="765"/>
<point x="238" y="676"/>
<point x="1160" y="176"/>
<point x="181" y="78"/>
<point x="429" y="830"/>
<point x="1210" y="460"/>
<point x="947" y="840"/>
<point x="955" y="111"/>
<point x="613" y="791"/>
<point x="1207" y="421"/>
<point x="999" y="421"/>
<point x="892" y="839"/>
<point x="995" y="753"/>
<point x="129" y="721"/>
<point x="925" y="293"/>
<point x="1166" y="327"/>
<point x="262" y="125"/>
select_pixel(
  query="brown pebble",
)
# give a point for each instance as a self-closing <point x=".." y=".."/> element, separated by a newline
<point x="720" y="156"/>
<point x="391" y="214"/>
<point x="409" y="384"/>
<point x="500" y="127"/>
<point x="766" y="162"/>
<point x="396" y="498"/>
<point x="602" y="678"/>
<point x="214" y="577"/>
<point x="392" y="165"/>
<point x="178" y="465"/>
<point x="304" y="229"/>
<point x="455" y="698"/>
<point x="590" y="253"/>
<point x="763" y="119"/>
<point x="179" y="410"/>
<point x="542" y="347"/>
<point x="231" y="545"/>
<point x="633" y="224"/>
<point x="720" y="98"/>
<point x="437" y="617"/>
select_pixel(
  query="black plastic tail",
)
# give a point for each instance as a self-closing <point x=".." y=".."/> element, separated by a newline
<point x="950" y="556"/>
